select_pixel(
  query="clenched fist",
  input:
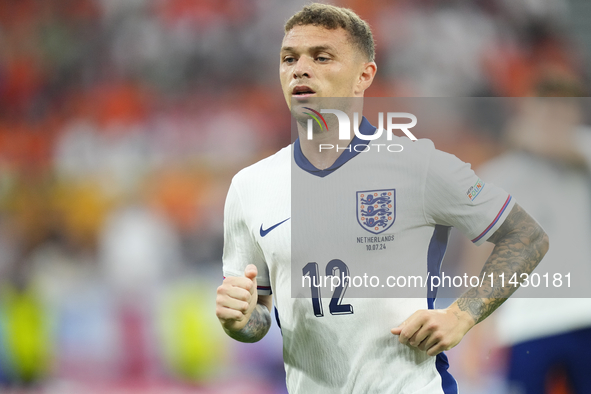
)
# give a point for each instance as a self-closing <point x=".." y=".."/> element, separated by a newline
<point x="434" y="331"/>
<point x="236" y="299"/>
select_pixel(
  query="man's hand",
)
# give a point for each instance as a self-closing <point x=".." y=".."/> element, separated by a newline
<point x="244" y="315"/>
<point x="434" y="330"/>
<point x="520" y="244"/>
<point x="236" y="299"/>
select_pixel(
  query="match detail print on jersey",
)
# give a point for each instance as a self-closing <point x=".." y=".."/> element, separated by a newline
<point x="376" y="209"/>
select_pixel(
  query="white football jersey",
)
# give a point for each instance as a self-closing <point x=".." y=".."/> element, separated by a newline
<point x="368" y="209"/>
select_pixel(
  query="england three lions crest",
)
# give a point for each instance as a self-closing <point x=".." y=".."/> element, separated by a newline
<point x="376" y="209"/>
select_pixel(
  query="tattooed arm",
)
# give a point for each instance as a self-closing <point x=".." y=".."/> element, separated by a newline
<point x="520" y="244"/>
<point x="256" y="327"/>
<point x="244" y="315"/>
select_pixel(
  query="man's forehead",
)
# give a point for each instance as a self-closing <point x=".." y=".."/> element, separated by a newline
<point x="315" y="36"/>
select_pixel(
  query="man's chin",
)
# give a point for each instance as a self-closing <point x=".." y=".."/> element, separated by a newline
<point x="299" y="111"/>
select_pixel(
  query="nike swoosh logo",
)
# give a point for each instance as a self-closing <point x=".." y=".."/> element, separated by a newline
<point x="265" y="232"/>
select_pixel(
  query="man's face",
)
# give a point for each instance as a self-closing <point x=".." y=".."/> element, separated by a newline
<point x="317" y="62"/>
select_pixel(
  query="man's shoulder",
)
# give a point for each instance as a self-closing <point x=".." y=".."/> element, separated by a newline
<point x="416" y="152"/>
<point x="424" y="150"/>
<point x="265" y="170"/>
<point x="421" y="145"/>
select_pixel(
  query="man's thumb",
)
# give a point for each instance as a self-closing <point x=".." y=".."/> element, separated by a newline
<point x="251" y="271"/>
<point x="396" y="330"/>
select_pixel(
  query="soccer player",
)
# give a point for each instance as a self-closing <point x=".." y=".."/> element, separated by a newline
<point x="364" y="345"/>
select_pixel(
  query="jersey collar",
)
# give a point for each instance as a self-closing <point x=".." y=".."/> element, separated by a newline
<point x="357" y="144"/>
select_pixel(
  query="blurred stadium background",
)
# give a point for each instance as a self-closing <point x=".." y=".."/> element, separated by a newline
<point x="121" y="125"/>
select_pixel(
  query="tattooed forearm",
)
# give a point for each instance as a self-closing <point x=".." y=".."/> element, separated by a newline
<point x="520" y="244"/>
<point x="256" y="328"/>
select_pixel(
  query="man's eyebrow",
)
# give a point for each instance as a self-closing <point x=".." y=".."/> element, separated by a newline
<point x="317" y="48"/>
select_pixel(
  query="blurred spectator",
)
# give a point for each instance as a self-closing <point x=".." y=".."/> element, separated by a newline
<point x="548" y="170"/>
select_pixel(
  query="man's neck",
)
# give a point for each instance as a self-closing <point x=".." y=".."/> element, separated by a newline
<point x="323" y="150"/>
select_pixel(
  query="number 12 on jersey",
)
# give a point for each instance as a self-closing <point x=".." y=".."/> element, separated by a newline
<point x="334" y="268"/>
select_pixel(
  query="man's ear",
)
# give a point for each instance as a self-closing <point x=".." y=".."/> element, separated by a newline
<point x="368" y="72"/>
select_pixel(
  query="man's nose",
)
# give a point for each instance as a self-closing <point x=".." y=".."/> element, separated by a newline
<point x="303" y="68"/>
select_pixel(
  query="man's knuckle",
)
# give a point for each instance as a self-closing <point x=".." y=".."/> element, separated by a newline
<point x="223" y="313"/>
<point x="234" y="315"/>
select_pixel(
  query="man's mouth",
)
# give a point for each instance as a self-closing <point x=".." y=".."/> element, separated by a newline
<point x="302" y="91"/>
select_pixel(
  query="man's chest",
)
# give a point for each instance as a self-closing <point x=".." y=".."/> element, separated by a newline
<point x="371" y="221"/>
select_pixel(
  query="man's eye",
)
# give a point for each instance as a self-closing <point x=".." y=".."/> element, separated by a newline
<point x="289" y="59"/>
<point x="322" y="59"/>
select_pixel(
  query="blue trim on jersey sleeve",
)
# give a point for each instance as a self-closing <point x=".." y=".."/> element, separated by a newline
<point x="365" y="128"/>
<point x="277" y="319"/>
<point x="507" y="201"/>
<point x="435" y="253"/>
<point x="265" y="288"/>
